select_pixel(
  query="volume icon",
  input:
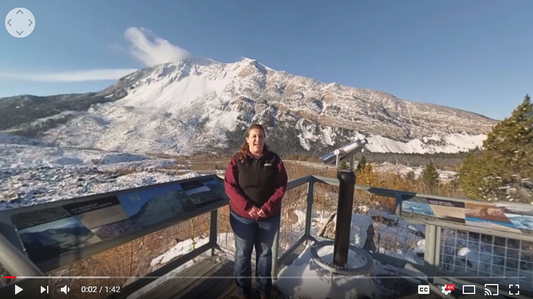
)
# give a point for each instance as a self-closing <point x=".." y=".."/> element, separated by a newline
<point x="65" y="289"/>
<point x="43" y="289"/>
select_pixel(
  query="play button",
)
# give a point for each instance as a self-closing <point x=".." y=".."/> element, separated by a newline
<point x="18" y="289"/>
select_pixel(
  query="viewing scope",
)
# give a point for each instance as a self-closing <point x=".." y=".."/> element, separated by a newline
<point x="344" y="153"/>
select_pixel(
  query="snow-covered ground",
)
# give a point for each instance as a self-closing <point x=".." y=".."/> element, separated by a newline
<point x="34" y="174"/>
<point x="444" y="175"/>
<point x="393" y="236"/>
<point x="455" y="143"/>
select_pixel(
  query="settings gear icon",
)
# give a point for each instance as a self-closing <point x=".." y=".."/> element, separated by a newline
<point x="444" y="290"/>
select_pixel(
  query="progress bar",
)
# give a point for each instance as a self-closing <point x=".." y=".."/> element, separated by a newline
<point x="57" y="277"/>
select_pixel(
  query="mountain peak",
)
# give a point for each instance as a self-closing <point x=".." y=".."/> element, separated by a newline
<point x="246" y="59"/>
<point x="180" y="107"/>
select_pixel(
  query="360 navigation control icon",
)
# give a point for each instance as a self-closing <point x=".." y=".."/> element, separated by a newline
<point x="20" y="22"/>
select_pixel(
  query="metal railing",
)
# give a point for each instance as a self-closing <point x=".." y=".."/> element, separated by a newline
<point x="499" y="254"/>
<point x="489" y="257"/>
<point x="151" y="256"/>
<point x="452" y="253"/>
<point x="150" y="252"/>
<point x="421" y="246"/>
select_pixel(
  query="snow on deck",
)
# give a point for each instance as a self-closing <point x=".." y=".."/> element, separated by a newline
<point x="305" y="279"/>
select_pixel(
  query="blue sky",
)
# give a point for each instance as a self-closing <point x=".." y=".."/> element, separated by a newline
<point x="474" y="55"/>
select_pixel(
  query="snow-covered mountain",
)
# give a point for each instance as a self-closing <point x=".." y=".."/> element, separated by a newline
<point x="204" y="105"/>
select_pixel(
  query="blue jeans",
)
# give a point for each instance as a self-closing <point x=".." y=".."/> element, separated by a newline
<point x="249" y="234"/>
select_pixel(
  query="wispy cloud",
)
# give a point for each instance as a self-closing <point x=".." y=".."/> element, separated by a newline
<point x="69" y="76"/>
<point x="142" y="44"/>
<point x="151" y="49"/>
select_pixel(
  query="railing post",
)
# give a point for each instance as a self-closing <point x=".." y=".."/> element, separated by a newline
<point x="432" y="245"/>
<point x="309" y="210"/>
<point x="436" y="256"/>
<point x="15" y="262"/>
<point x="398" y="204"/>
<point x="213" y="230"/>
<point x="275" y="254"/>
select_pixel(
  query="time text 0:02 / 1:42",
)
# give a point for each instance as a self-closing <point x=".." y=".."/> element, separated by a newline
<point x="100" y="289"/>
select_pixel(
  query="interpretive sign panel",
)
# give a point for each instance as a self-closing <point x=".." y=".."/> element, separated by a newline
<point x="56" y="228"/>
<point x="147" y="207"/>
<point x="417" y="206"/>
<point x="23" y="220"/>
<point x="495" y="215"/>
<point x="55" y="238"/>
<point x="448" y="210"/>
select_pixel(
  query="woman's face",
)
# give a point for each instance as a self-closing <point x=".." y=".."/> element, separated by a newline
<point x="256" y="141"/>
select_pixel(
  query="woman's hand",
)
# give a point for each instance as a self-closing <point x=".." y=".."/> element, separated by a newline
<point x="254" y="212"/>
<point x="261" y="213"/>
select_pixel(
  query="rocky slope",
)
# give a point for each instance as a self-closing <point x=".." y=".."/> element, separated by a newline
<point x="203" y="105"/>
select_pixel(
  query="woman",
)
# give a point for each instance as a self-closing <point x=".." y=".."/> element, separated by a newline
<point x="255" y="182"/>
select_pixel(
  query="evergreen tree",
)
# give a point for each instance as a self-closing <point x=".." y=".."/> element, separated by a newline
<point x="454" y="184"/>
<point x="344" y="165"/>
<point x="471" y="175"/>
<point x="362" y="163"/>
<point x="511" y="141"/>
<point x="410" y="177"/>
<point x="430" y="177"/>
<point x="505" y="160"/>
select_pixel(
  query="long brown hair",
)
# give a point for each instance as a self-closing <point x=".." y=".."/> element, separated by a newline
<point x="245" y="148"/>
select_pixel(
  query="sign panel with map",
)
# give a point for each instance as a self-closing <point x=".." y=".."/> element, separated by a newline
<point x="50" y="239"/>
<point x="495" y="215"/>
<point x="150" y="206"/>
<point x="417" y="206"/>
<point x="448" y="210"/>
<point x="487" y="215"/>
<point x="50" y="232"/>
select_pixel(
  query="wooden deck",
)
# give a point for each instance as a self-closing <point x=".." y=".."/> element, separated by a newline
<point x="212" y="278"/>
<point x="209" y="279"/>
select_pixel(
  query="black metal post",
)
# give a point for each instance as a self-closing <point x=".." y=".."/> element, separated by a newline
<point x="343" y="226"/>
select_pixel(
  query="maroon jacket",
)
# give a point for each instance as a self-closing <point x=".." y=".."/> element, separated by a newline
<point x="259" y="182"/>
